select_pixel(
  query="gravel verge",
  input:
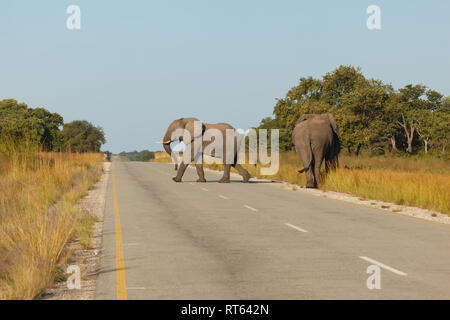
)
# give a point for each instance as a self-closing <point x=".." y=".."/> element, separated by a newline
<point x="87" y="260"/>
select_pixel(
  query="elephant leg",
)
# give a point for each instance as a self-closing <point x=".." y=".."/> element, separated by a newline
<point x="226" y="174"/>
<point x="308" y="163"/>
<point x="181" y="169"/>
<point x="198" y="160"/>
<point x="244" y="173"/>
<point x="318" y="158"/>
<point x="200" y="172"/>
<point x="310" y="183"/>
<point x="317" y="173"/>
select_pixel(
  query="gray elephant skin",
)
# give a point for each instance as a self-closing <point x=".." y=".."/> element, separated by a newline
<point x="316" y="138"/>
<point x="188" y="124"/>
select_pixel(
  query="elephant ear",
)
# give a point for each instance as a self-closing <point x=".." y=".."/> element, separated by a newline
<point x="333" y="124"/>
<point x="195" y="128"/>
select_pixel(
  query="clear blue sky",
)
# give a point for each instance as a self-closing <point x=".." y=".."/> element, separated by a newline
<point x="136" y="65"/>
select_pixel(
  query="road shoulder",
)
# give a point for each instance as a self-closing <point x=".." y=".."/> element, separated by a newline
<point x="386" y="207"/>
<point x="87" y="260"/>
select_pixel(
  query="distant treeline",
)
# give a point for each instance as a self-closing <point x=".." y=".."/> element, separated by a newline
<point x="19" y="122"/>
<point x="372" y="116"/>
<point x="143" y="155"/>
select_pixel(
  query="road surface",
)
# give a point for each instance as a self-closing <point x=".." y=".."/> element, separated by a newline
<point x="167" y="240"/>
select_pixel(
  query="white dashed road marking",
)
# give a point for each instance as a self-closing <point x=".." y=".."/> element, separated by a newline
<point x="204" y="189"/>
<point x="223" y="197"/>
<point x="382" y="265"/>
<point x="132" y="244"/>
<point x="251" y="208"/>
<point x="295" y="227"/>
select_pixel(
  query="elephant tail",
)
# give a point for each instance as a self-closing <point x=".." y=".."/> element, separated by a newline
<point x="305" y="168"/>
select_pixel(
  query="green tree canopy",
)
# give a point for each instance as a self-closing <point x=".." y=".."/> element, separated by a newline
<point x="82" y="136"/>
<point x="143" y="155"/>
<point x="371" y="115"/>
<point x="17" y="121"/>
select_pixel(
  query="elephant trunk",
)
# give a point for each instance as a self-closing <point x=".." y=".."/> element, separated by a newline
<point x="167" y="148"/>
<point x="166" y="145"/>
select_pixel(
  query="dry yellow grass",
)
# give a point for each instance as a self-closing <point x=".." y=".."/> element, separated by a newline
<point x="423" y="165"/>
<point x="163" y="159"/>
<point x="38" y="217"/>
<point x="425" y="190"/>
<point x="423" y="183"/>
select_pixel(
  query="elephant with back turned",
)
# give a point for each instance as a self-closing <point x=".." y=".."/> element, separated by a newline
<point x="188" y="124"/>
<point x="316" y="138"/>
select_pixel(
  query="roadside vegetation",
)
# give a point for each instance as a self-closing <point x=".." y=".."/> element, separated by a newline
<point x="421" y="182"/>
<point x="20" y="122"/>
<point x="395" y="142"/>
<point x="372" y="116"/>
<point x="144" y="155"/>
<point x="39" y="187"/>
<point x="38" y="192"/>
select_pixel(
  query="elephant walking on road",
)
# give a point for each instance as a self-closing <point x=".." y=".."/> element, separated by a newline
<point x="316" y="138"/>
<point x="200" y="140"/>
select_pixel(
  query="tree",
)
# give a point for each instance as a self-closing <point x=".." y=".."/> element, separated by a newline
<point x="341" y="81"/>
<point x="371" y="115"/>
<point x="445" y="106"/>
<point x="424" y="123"/>
<point x="413" y="107"/>
<point x="441" y="125"/>
<point x="51" y="138"/>
<point x="326" y="95"/>
<point x="362" y="117"/>
<point x="17" y="121"/>
<point x="82" y="136"/>
<point x="144" y="155"/>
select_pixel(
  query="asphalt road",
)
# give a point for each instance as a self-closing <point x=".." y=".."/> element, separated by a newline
<point x="167" y="240"/>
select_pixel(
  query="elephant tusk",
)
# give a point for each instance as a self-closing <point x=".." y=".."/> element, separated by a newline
<point x="164" y="142"/>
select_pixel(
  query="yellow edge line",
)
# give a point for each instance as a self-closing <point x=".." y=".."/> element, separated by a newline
<point x="121" y="284"/>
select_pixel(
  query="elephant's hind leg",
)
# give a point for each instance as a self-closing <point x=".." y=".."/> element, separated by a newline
<point x="317" y="174"/>
<point x="308" y="163"/>
<point x="200" y="172"/>
<point x="310" y="182"/>
<point x="244" y="173"/>
<point x="181" y="169"/>
<point x="318" y="158"/>
<point x="226" y="174"/>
